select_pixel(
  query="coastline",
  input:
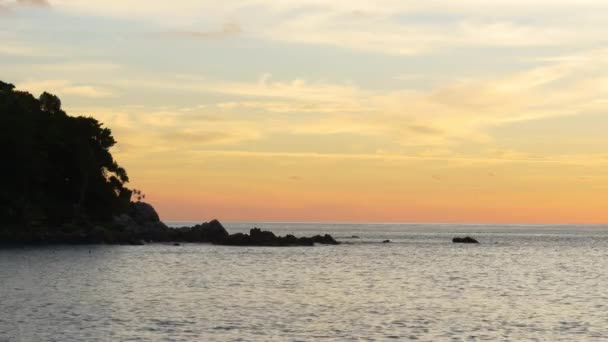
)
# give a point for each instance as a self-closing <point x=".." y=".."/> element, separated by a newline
<point x="142" y="225"/>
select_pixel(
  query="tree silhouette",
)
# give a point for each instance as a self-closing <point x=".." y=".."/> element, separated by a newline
<point x="138" y="194"/>
<point x="56" y="168"/>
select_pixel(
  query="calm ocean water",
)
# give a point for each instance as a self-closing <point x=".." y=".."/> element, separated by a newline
<point x="523" y="282"/>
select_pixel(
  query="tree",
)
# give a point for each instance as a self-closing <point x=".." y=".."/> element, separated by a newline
<point x="56" y="168"/>
<point x="50" y="103"/>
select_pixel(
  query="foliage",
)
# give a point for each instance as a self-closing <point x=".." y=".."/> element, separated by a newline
<point x="57" y="169"/>
<point x="138" y="195"/>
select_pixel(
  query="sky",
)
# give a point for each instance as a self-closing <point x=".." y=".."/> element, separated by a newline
<point x="350" y="111"/>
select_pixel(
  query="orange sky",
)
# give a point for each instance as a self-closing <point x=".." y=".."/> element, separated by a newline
<point x="364" y="189"/>
<point x="299" y="110"/>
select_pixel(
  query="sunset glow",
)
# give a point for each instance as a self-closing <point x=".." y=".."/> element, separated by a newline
<point x="364" y="111"/>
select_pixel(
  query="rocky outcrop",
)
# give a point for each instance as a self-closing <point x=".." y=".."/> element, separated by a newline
<point x="124" y="220"/>
<point x="211" y="231"/>
<point x="143" y="213"/>
<point x="325" y="239"/>
<point x="258" y="237"/>
<point x="141" y="225"/>
<point x="466" y="239"/>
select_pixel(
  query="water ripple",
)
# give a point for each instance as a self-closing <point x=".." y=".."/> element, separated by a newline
<point x="530" y="285"/>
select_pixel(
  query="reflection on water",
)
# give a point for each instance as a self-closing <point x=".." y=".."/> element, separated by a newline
<point x="521" y="283"/>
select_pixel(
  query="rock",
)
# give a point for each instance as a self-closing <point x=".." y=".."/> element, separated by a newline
<point x="262" y="237"/>
<point x="466" y="239"/>
<point x="143" y="213"/>
<point x="124" y="220"/>
<point x="238" y="239"/>
<point x="212" y="231"/>
<point x="386" y="241"/>
<point x="290" y="239"/>
<point x="355" y="237"/>
<point x="258" y="237"/>
<point x="325" y="239"/>
<point x="142" y="225"/>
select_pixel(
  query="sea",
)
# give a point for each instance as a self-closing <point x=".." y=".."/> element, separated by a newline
<point x="521" y="283"/>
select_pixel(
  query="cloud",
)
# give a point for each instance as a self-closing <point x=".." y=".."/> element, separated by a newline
<point x="69" y="69"/>
<point x="424" y="129"/>
<point x="287" y="107"/>
<point x="227" y="31"/>
<point x="523" y="158"/>
<point x="63" y="87"/>
<point x="194" y="138"/>
<point x="34" y="3"/>
<point x="9" y="49"/>
<point x="405" y="27"/>
<point x="14" y="47"/>
<point x="400" y="37"/>
<point x="142" y="128"/>
<point x="450" y="113"/>
<point x="296" y="92"/>
<point x="7" y="8"/>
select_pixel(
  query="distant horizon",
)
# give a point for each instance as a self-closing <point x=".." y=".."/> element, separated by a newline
<point x="396" y="222"/>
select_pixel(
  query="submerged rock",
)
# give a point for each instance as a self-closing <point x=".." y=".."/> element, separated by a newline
<point x="386" y="241"/>
<point x="466" y="239"/>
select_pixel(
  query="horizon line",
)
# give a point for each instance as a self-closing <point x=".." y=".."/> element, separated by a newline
<point x="404" y="223"/>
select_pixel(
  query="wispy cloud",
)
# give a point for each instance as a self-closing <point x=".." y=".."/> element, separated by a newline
<point x="35" y="3"/>
<point x="493" y="157"/>
<point x="195" y="138"/>
<point x="13" y="47"/>
<point x="7" y="6"/>
<point x="56" y="69"/>
<point x="386" y="26"/>
<point x="22" y="50"/>
<point x="63" y="87"/>
<point x="451" y="112"/>
<point x="227" y="31"/>
<point x="402" y="37"/>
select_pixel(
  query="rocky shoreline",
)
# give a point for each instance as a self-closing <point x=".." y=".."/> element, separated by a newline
<point x="142" y="225"/>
